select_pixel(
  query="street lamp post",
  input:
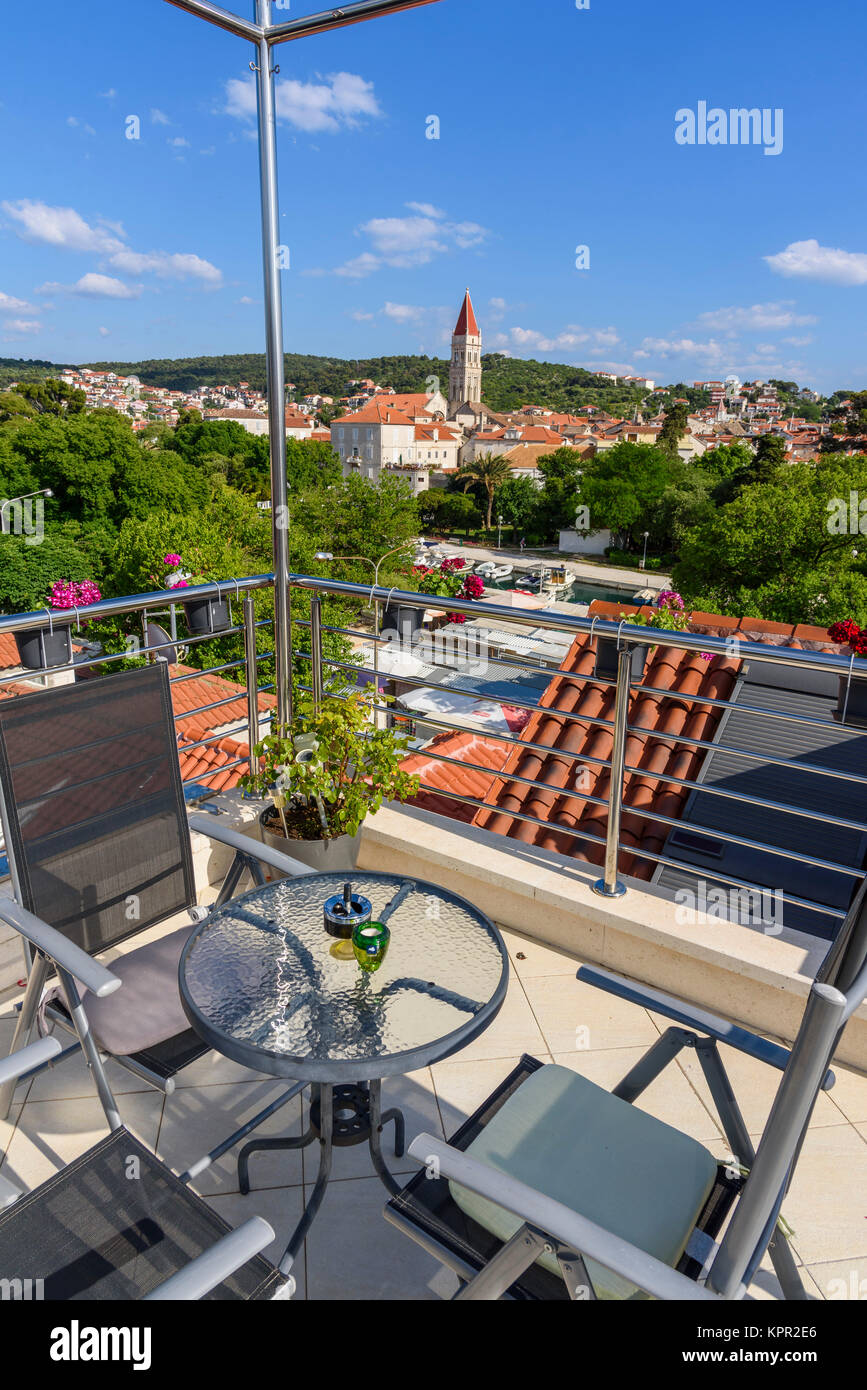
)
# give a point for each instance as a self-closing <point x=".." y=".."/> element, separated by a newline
<point x="326" y="555"/>
<point x="10" y="502"/>
<point x="500" y="532"/>
<point x="644" y="557"/>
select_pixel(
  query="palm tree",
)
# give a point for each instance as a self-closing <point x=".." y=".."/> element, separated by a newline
<point x="491" y="471"/>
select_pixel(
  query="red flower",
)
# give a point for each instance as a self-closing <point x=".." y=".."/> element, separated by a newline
<point x="858" y="643"/>
<point x="845" y="632"/>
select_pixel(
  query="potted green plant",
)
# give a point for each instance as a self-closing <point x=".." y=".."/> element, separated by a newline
<point x="852" y="694"/>
<point x="43" y="648"/>
<point x="321" y="777"/>
<point x="207" y="615"/>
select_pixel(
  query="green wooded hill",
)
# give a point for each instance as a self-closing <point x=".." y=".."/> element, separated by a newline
<point x="509" y="382"/>
<point x="30" y="369"/>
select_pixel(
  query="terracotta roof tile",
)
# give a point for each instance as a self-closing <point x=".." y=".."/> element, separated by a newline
<point x="466" y="781"/>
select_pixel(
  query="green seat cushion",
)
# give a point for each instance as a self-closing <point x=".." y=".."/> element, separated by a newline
<point x="614" y="1164"/>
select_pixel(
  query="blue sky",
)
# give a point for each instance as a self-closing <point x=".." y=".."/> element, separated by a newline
<point x="557" y="129"/>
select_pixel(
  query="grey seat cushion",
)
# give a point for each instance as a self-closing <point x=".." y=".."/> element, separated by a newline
<point x="147" y="1009"/>
<point x="618" y="1166"/>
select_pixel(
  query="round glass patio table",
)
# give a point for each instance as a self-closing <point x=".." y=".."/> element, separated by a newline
<point x="259" y="983"/>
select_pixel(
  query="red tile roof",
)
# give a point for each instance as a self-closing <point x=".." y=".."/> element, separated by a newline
<point x="563" y="802"/>
<point x="466" y="781"/>
<point x="466" y="324"/>
<point x="204" y="764"/>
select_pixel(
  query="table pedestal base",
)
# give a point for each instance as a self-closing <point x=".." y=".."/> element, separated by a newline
<point x="339" y="1116"/>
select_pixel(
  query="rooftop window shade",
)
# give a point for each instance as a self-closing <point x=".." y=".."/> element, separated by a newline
<point x="95" y="807"/>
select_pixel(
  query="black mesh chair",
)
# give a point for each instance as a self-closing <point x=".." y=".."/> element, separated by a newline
<point x="117" y="1224"/>
<point x="98" y="839"/>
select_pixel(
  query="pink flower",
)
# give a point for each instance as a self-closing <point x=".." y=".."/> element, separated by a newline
<point x="173" y="560"/>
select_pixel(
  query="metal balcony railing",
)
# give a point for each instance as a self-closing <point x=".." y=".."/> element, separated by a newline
<point x="326" y="673"/>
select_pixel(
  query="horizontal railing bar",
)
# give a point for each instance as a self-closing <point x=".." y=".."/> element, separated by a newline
<point x="562" y="622"/>
<point x="215" y="772"/>
<point x="650" y="815"/>
<point x="629" y="849"/>
<point x="336" y="18"/>
<point x="695" y="870"/>
<point x="744" y="799"/>
<point x="132" y="603"/>
<point x="423" y="684"/>
<point x="512" y="777"/>
<point x="265" y="717"/>
<point x="783" y="715"/>
<point x="223" y="19"/>
<point x="745" y="753"/>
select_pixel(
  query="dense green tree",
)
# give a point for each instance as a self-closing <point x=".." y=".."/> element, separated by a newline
<point x="28" y="571"/>
<point x="517" y="501"/>
<point x="673" y="428"/>
<point x="624" y="486"/>
<point x="780" y="550"/>
<point x="448" y="511"/>
<point x="557" y="503"/>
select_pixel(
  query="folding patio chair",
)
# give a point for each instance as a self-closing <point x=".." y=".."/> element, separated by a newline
<point x="98" y="840"/>
<point x="556" y="1188"/>
<point x="117" y="1224"/>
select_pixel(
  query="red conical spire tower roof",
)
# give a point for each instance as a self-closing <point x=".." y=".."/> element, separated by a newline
<point x="467" y="324"/>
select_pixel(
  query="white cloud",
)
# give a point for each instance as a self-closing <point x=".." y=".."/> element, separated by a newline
<point x="402" y="313"/>
<point x="246" y="299"/>
<point x="799" y="342"/>
<point x="167" y="266"/>
<point x="22" y="327"/>
<point x="94" y="286"/>
<point x="406" y="242"/>
<point x="573" y="336"/>
<point x="65" y="228"/>
<point x="10" y="305"/>
<point x="755" y="317"/>
<point x="710" y="351"/>
<point x="361" y="317"/>
<point x="340" y="100"/>
<point x="178" y="142"/>
<point x="159" y="117"/>
<point x="62" y="227"/>
<point x="425" y="209"/>
<point x="105" y="332"/>
<point x="109" y="95"/>
<point x="807" y="260"/>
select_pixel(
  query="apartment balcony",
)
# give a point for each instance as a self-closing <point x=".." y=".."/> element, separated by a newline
<point x="697" y="829"/>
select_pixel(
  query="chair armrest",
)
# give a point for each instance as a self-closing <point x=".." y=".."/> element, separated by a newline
<point x="213" y="1266"/>
<point x="670" y="1007"/>
<point x="28" y="1058"/>
<point x="245" y="844"/>
<point x="63" y="952"/>
<point x="574" y="1231"/>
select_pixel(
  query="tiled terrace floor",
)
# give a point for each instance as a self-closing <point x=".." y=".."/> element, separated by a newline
<point x="352" y="1253"/>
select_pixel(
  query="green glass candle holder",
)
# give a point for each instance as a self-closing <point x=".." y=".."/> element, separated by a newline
<point x="370" y="941"/>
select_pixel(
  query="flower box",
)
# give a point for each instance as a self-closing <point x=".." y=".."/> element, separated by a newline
<point x="855" y="705"/>
<point x="605" y="668"/>
<point x="205" y="616"/>
<point x="42" y="649"/>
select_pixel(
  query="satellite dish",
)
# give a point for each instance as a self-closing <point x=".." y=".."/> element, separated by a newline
<point x="158" y="637"/>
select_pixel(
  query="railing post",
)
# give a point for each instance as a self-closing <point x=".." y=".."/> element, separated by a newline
<point x="610" y="886"/>
<point x="316" y="648"/>
<point x="251" y="661"/>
